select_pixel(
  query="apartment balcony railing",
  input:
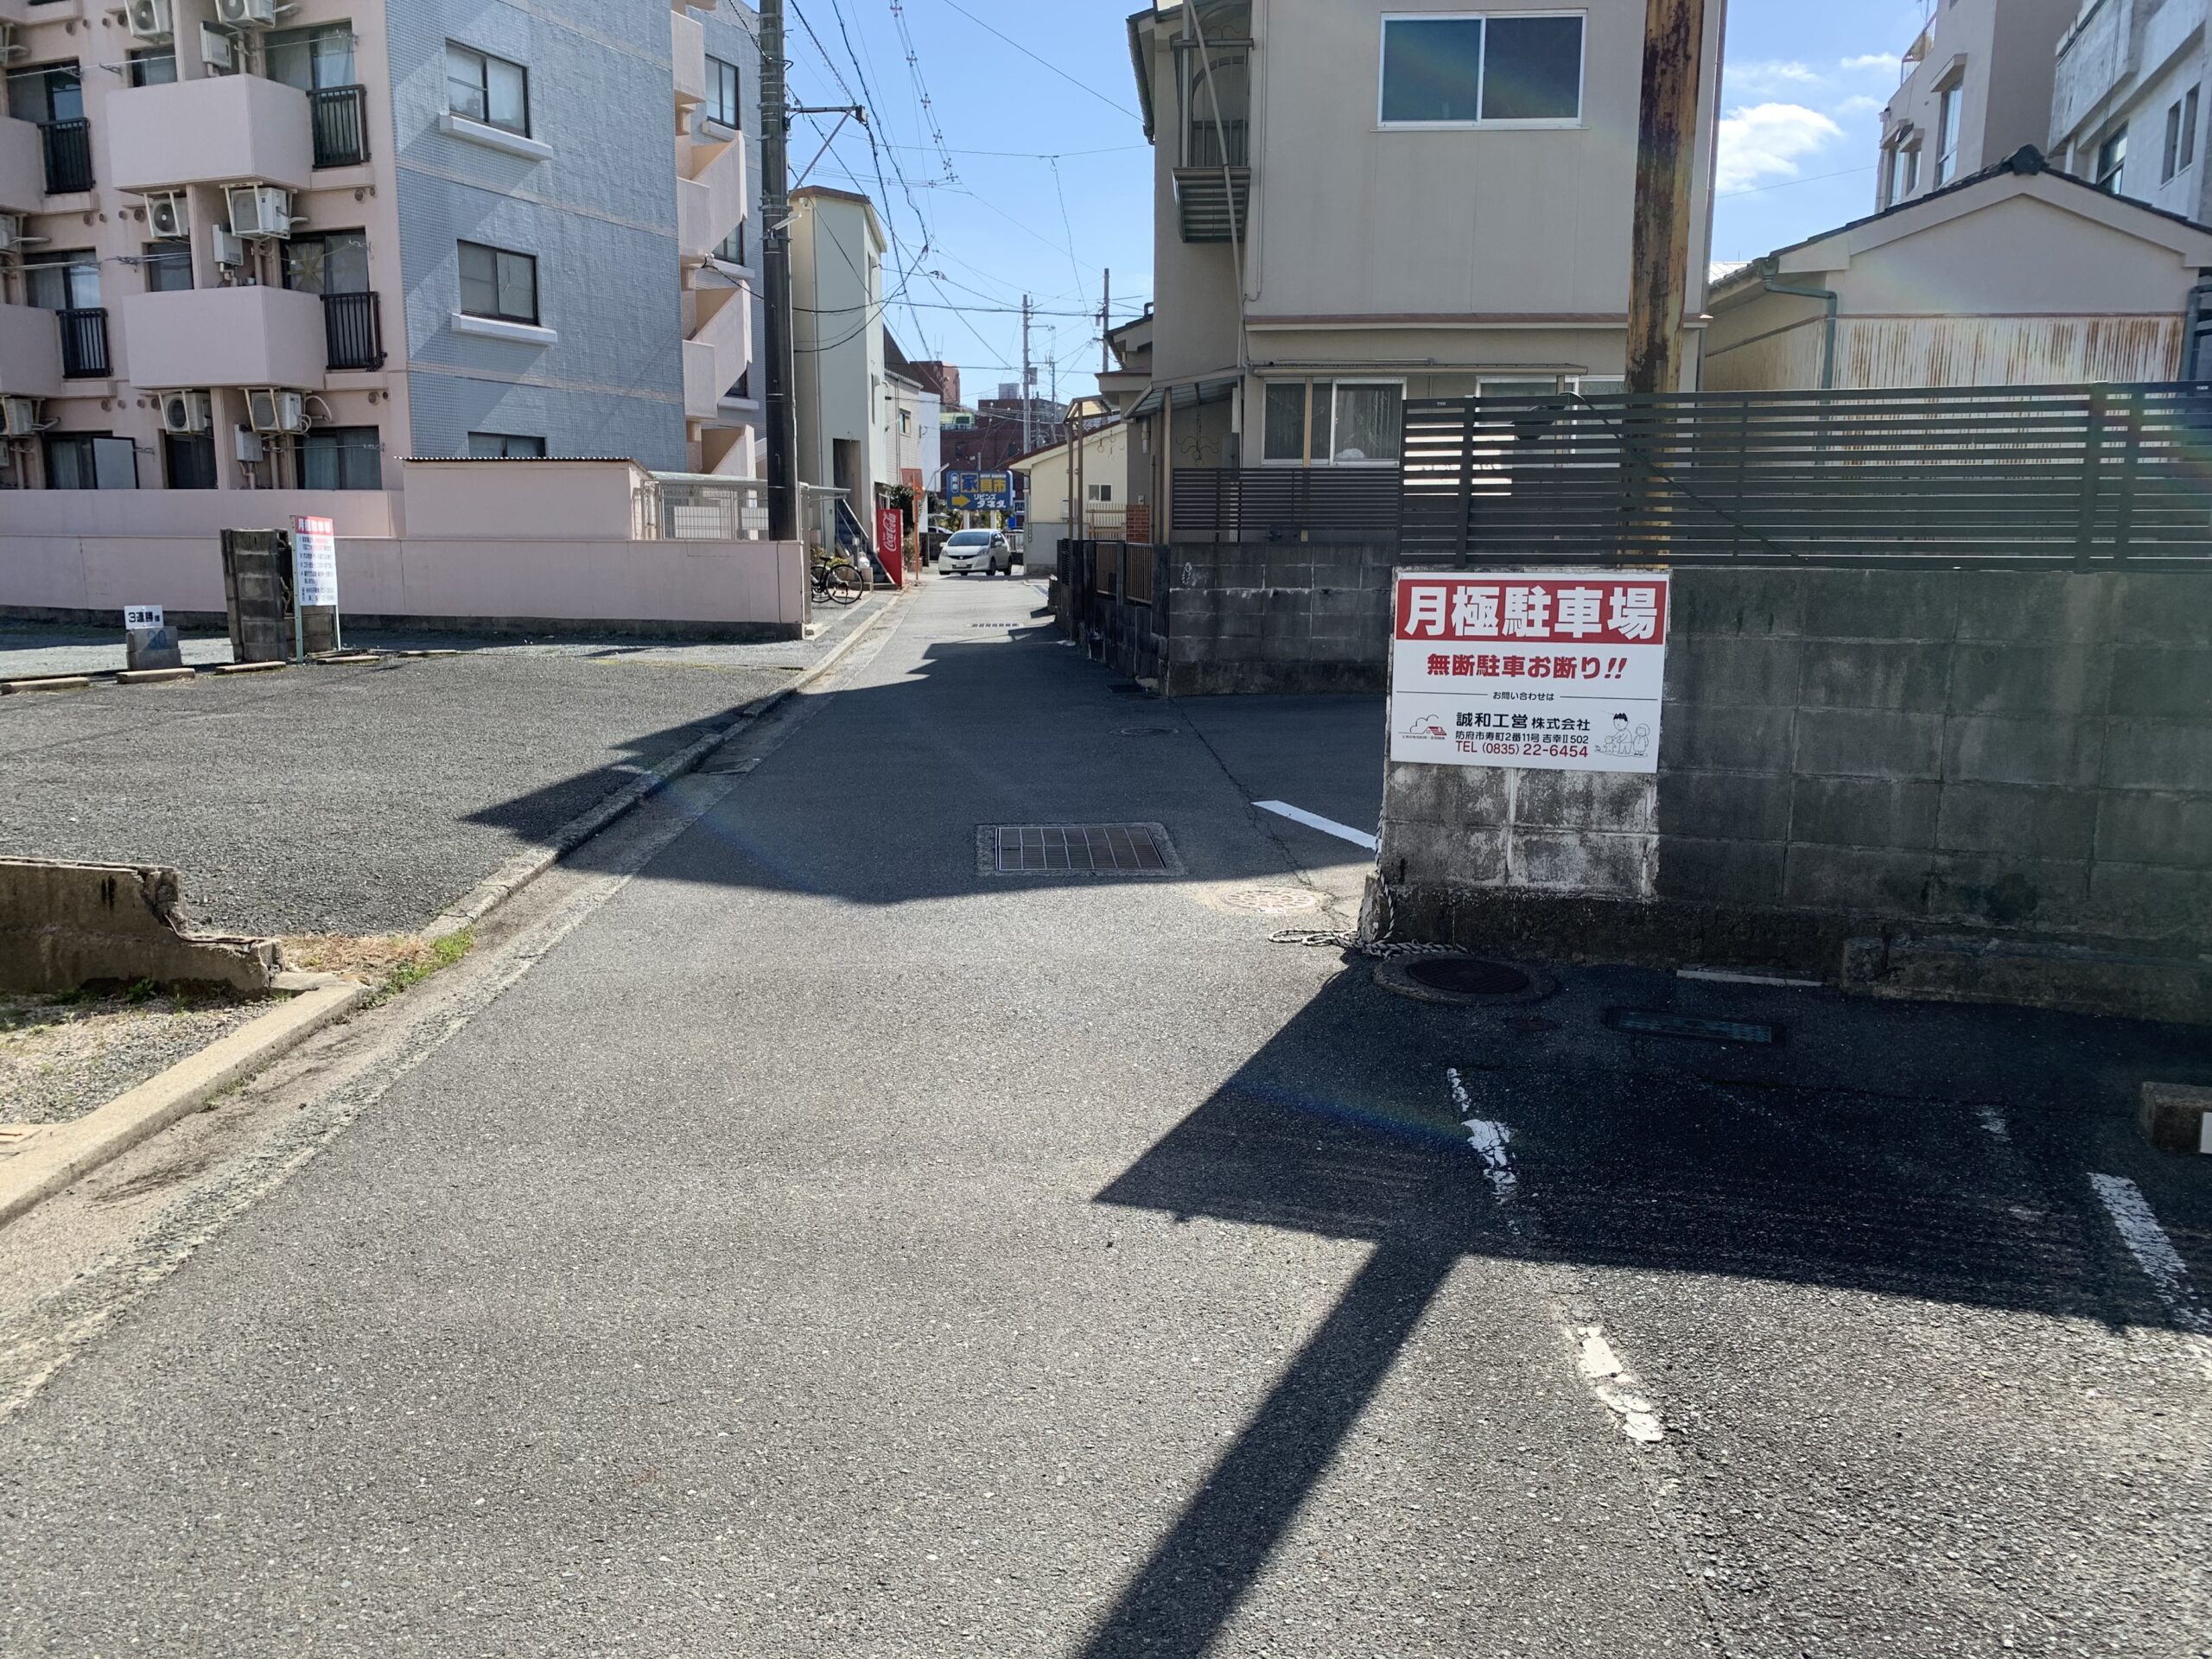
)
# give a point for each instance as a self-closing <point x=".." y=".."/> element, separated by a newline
<point x="84" y="343"/>
<point x="353" y="338"/>
<point x="342" y="126"/>
<point x="1228" y="144"/>
<point x="68" y="156"/>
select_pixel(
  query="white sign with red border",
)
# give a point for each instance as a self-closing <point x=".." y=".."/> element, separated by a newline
<point x="1561" y="670"/>
<point x="316" y="540"/>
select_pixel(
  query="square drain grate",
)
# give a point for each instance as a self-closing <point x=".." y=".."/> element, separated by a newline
<point x="1081" y="849"/>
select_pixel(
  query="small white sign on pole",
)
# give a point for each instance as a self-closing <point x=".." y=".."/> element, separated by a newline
<point x="1556" y="669"/>
<point x="315" y="543"/>
<point x="136" y="617"/>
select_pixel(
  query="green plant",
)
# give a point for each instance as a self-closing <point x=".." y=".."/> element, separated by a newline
<point x="440" y="953"/>
<point x="144" y="990"/>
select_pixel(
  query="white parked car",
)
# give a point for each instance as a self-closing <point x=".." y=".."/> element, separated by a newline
<point x="967" y="552"/>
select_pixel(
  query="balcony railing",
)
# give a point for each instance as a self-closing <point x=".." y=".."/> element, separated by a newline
<point x="342" y="126"/>
<point x="84" y="343"/>
<point x="351" y="337"/>
<point x="68" y="156"/>
<point x="1226" y="145"/>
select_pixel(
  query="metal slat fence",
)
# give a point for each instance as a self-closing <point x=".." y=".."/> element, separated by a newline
<point x="1258" y="503"/>
<point x="2037" y="477"/>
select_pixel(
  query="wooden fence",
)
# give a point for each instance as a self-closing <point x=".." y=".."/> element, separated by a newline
<point x="2079" y="477"/>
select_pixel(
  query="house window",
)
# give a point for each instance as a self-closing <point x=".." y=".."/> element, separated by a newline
<point x="55" y="93"/>
<point x="328" y="262"/>
<point x="1947" y="135"/>
<point x="2181" y="135"/>
<point x="505" y="445"/>
<point x="341" y="458"/>
<point x="496" y="283"/>
<point x="90" y="461"/>
<point x="167" y="266"/>
<point x="311" y="59"/>
<point x="721" y="93"/>
<point x="155" y="67"/>
<point x="188" y="460"/>
<point x="1464" y="70"/>
<point x="63" y="282"/>
<point x="482" y="87"/>
<point x="2112" y="161"/>
<point x="1331" y="422"/>
<point x="1099" y="491"/>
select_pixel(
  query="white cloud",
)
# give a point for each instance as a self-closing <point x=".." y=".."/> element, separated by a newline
<point x="1766" y="142"/>
<point x="1866" y="60"/>
<point x="1859" y="104"/>
<point x="1763" y="76"/>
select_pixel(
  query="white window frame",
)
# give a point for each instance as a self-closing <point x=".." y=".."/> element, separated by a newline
<point x="1547" y="124"/>
<point x="1306" y="458"/>
<point x="1950" y="117"/>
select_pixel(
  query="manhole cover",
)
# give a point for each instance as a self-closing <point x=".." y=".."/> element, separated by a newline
<point x="1271" y="901"/>
<point x="1453" y="978"/>
<point x="1093" y="848"/>
<point x="1467" y="976"/>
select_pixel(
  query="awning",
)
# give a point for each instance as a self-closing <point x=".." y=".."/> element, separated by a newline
<point x="1188" y="395"/>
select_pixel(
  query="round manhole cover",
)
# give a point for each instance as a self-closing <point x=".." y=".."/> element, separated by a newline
<point x="1271" y="901"/>
<point x="1456" y="979"/>
<point x="1467" y="976"/>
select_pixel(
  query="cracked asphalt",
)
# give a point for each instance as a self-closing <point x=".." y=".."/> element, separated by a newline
<point x="824" y="1249"/>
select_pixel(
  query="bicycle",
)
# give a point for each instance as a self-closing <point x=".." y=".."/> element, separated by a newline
<point x="838" y="580"/>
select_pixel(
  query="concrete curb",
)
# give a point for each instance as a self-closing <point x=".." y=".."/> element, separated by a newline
<point x="520" y="871"/>
<point x="56" y="1156"/>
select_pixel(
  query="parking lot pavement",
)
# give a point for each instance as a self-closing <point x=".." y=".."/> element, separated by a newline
<point x="357" y="800"/>
<point x="28" y="649"/>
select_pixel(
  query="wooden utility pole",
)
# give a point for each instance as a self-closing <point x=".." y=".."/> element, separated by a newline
<point x="1666" y="155"/>
<point x="779" y="405"/>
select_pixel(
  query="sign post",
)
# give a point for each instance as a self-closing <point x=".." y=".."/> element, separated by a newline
<point x="315" y="577"/>
<point x="1550" y="670"/>
<point x="979" y="492"/>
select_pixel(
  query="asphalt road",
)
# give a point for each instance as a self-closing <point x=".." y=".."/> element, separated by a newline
<point x="357" y="800"/>
<point x="826" y="1249"/>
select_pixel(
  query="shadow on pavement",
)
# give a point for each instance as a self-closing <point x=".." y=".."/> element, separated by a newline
<point x="1816" y="1165"/>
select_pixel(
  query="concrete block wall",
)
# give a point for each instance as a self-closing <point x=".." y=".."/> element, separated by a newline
<point x="1278" y="616"/>
<point x="2004" y="756"/>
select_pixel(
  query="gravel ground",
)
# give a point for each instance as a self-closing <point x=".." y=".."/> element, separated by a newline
<point x="26" y="650"/>
<point x="360" y="799"/>
<point x="60" y="1058"/>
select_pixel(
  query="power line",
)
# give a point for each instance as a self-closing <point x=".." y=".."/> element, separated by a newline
<point x="991" y="29"/>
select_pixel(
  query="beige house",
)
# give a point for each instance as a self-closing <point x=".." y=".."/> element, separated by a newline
<point x="1079" y="488"/>
<point x="1977" y="87"/>
<point x="2018" y="276"/>
<point x="1357" y="203"/>
<point x="847" y="405"/>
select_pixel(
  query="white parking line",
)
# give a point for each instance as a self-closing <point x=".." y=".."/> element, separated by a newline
<point x="1315" y="821"/>
<point x="2153" y="1251"/>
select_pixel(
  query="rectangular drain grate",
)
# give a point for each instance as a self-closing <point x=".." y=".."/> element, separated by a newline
<point x="1081" y="848"/>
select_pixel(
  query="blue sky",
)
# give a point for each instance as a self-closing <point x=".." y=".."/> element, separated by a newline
<point x="1042" y="180"/>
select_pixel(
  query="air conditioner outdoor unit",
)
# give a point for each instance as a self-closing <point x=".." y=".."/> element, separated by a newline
<point x="184" y="412"/>
<point x="229" y="250"/>
<point x="149" y="19"/>
<point x="215" y="50"/>
<point x="260" y="211"/>
<point x="269" y="410"/>
<point x="246" y="14"/>
<point x="166" y="218"/>
<point x="18" y="416"/>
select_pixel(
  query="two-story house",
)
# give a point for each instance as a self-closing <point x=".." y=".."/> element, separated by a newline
<point x="1357" y="203"/>
<point x="245" y="245"/>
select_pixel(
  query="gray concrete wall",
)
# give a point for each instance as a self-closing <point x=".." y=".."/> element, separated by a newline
<point x="2007" y="756"/>
<point x="1281" y="617"/>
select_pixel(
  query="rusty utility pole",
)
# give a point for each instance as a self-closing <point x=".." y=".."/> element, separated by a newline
<point x="1666" y="154"/>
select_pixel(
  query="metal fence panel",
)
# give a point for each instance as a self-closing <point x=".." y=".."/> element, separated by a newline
<point x="2035" y="477"/>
